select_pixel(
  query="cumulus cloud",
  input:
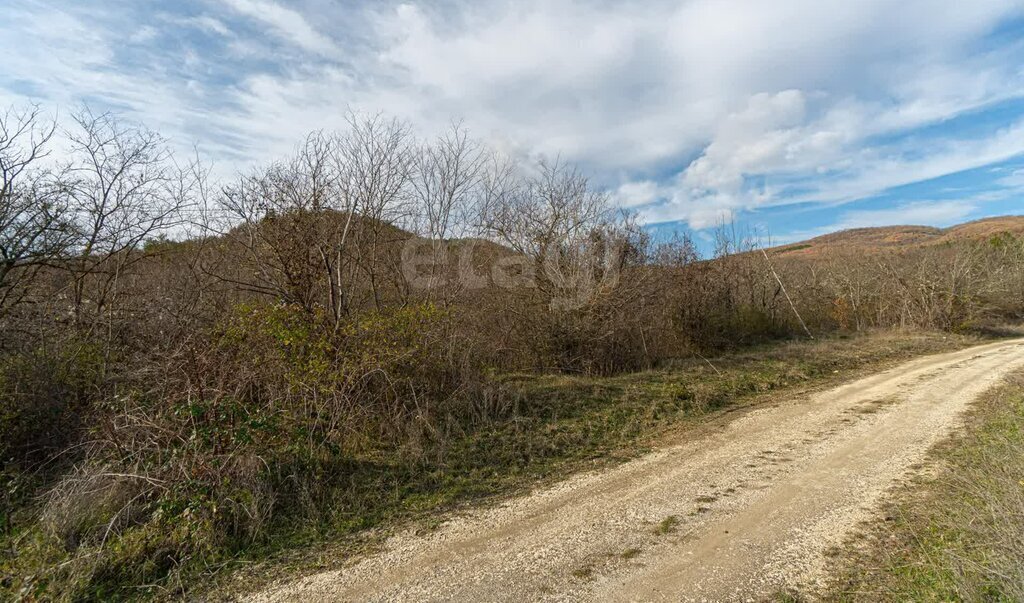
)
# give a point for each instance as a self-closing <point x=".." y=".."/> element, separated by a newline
<point x="685" y="110"/>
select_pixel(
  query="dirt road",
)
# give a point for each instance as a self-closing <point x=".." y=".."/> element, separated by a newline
<point x="746" y="507"/>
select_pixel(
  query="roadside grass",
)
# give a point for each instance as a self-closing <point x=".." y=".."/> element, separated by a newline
<point x="565" y="424"/>
<point x="557" y="425"/>
<point x="958" y="533"/>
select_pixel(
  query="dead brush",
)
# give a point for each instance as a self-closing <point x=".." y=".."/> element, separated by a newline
<point x="488" y="403"/>
<point x="95" y="503"/>
<point x="249" y="499"/>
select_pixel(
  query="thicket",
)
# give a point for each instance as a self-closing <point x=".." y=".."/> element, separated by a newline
<point x="189" y="369"/>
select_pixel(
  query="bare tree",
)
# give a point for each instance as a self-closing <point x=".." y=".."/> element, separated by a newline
<point x="445" y="184"/>
<point x="376" y="164"/>
<point x="124" y="189"/>
<point x="566" y="229"/>
<point x="284" y="230"/>
<point x="318" y="229"/>
<point x="35" y="224"/>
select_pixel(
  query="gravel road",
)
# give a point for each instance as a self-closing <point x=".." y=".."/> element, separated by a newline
<point x="743" y="508"/>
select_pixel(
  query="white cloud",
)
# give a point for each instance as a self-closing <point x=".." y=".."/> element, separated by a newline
<point x="689" y="109"/>
<point x="287" y="24"/>
<point x="878" y="172"/>
<point x="1014" y="179"/>
<point x="144" y="34"/>
<point x="761" y="137"/>
<point x="623" y="90"/>
<point x="205" y="23"/>
<point x="635" y="194"/>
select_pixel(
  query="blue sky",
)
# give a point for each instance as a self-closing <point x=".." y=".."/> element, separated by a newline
<point x="796" y="117"/>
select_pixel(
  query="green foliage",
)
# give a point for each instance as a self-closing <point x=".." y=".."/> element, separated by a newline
<point x="1003" y="240"/>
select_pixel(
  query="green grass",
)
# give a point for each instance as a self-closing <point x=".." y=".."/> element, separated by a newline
<point x="958" y="534"/>
<point x="560" y="425"/>
<point x="793" y="248"/>
<point x="667" y="525"/>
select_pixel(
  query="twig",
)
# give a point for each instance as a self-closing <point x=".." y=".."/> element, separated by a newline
<point x="709" y="363"/>
<point x="786" y="293"/>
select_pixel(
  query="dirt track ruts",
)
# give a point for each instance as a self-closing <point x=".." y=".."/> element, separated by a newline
<point x="757" y="501"/>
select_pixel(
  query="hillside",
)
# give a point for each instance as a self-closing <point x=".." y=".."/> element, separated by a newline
<point x="905" y="237"/>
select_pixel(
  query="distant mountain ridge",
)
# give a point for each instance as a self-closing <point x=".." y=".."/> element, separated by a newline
<point x="895" y="237"/>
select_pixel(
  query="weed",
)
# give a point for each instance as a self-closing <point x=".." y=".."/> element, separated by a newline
<point x="630" y="553"/>
<point x="667" y="525"/>
<point x="561" y="423"/>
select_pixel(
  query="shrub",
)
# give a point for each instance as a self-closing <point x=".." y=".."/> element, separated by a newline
<point x="246" y="432"/>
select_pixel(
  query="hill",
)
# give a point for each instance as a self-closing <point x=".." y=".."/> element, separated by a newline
<point x="902" y="237"/>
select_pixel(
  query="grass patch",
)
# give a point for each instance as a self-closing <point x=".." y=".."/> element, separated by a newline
<point x="631" y="553"/>
<point x="793" y="248"/>
<point x="667" y="525"/>
<point x="564" y="424"/>
<point x="958" y="534"/>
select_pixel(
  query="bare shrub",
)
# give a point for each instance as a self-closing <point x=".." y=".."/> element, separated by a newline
<point x="93" y="503"/>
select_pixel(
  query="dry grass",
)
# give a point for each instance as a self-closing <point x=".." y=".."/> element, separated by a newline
<point x="875" y="239"/>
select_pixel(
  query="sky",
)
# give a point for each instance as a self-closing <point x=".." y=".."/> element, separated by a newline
<point x="791" y="117"/>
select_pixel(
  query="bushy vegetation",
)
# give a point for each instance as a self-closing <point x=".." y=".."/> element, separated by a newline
<point x="373" y="327"/>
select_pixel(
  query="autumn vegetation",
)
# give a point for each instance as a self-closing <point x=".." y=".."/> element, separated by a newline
<point x="195" y="370"/>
